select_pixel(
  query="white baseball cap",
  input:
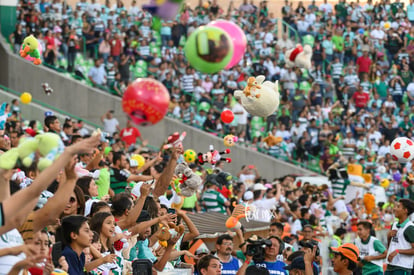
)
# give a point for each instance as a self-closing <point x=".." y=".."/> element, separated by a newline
<point x="248" y="196"/>
<point x="259" y="186"/>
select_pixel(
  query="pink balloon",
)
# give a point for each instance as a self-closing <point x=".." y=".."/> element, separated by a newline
<point x="238" y="37"/>
<point x="31" y="59"/>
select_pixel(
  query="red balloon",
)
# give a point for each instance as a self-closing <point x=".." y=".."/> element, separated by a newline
<point x="227" y="116"/>
<point x="146" y="101"/>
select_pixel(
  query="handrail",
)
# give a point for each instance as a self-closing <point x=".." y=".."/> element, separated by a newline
<point x="291" y="29"/>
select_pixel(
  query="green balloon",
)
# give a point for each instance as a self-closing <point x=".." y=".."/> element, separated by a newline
<point x="209" y="49"/>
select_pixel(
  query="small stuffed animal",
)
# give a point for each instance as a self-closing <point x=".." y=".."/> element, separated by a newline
<point x="168" y="232"/>
<point x="299" y="57"/>
<point x="271" y="140"/>
<point x="30" y="47"/>
<point x="224" y="179"/>
<point x="175" y="140"/>
<point x="50" y="147"/>
<point x="230" y="140"/>
<point x="177" y="199"/>
<point x="263" y="105"/>
<point x="47" y="89"/>
<point x="369" y="202"/>
<point x="240" y="211"/>
<point x="189" y="181"/>
<point x="251" y="87"/>
<point x="213" y="156"/>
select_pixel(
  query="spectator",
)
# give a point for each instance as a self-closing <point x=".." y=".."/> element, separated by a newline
<point x="97" y="74"/>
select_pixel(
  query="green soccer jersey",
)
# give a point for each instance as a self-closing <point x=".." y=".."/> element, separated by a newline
<point x="213" y="201"/>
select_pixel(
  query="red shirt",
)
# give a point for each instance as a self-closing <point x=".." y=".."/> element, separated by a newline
<point x="129" y="135"/>
<point x="116" y="47"/>
<point x="364" y="63"/>
<point x="360" y="99"/>
<point x="50" y="41"/>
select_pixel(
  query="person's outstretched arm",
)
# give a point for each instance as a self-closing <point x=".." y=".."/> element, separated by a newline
<point x="17" y="207"/>
<point x="164" y="181"/>
<point x="53" y="208"/>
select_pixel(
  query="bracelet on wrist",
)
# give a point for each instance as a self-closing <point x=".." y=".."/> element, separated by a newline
<point x="397" y="251"/>
<point x="247" y="262"/>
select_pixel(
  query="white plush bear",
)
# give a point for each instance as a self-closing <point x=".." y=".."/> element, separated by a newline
<point x="258" y="98"/>
<point x="299" y="57"/>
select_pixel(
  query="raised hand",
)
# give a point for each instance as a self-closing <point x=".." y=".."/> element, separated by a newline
<point x="85" y="146"/>
<point x="145" y="190"/>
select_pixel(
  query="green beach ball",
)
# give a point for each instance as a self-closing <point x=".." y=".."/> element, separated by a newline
<point x="209" y="49"/>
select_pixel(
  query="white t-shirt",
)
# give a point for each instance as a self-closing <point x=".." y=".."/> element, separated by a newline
<point x="263" y="209"/>
<point x="248" y="179"/>
<point x="10" y="239"/>
<point x="241" y="118"/>
<point x="110" y="125"/>
<point x="296" y="226"/>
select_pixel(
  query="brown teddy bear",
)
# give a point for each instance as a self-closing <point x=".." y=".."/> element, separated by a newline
<point x="271" y="140"/>
<point x="168" y="232"/>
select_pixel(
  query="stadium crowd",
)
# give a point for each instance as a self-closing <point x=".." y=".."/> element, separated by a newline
<point x="347" y="109"/>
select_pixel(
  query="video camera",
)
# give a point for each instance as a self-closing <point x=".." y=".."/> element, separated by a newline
<point x="255" y="247"/>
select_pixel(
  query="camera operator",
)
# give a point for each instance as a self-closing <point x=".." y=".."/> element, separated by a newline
<point x="271" y="262"/>
<point x="267" y="259"/>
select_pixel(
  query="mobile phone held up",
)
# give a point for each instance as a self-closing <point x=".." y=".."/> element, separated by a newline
<point x="171" y="211"/>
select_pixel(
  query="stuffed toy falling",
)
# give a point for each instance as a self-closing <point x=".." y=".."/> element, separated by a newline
<point x="240" y="211"/>
<point x="175" y="140"/>
<point x="259" y="98"/>
<point x="230" y="140"/>
<point x="369" y="202"/>
<point x="299" y="57"/>
<point x="271" y="140"/>
<point x="213" y="156"/>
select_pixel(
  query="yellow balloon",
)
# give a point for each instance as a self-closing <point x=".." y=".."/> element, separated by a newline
<point x="385" y="183"/>
<point x="26" y="98"/>
<point x="140" y="159"/>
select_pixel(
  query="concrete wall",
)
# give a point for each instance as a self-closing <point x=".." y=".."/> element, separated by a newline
<point x="89" y="103"/>
<point x="33" y="111"/>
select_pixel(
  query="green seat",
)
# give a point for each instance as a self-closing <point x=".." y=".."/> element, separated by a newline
<point x="204" y="106"/>
<point x="158" y="41"/>
<point x="142" y="64"/>
<point x="308" y="40"/>
<point x="257" y="123"/>
<point x="63" y="62"/>
<point x="140" y="72"/>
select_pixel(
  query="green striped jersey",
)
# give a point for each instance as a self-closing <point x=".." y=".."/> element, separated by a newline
<point x="336" y="70"/>
<point x="118" y="180"/>
<point x="213" y="201"/>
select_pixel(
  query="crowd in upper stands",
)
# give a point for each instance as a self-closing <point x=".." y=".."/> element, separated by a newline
<point x="347" y="109"/>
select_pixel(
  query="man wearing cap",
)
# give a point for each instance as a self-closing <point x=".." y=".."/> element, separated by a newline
<point x="400" y="255"/>
<point x="264" y="206"/>
<point x="345" y="258"/>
